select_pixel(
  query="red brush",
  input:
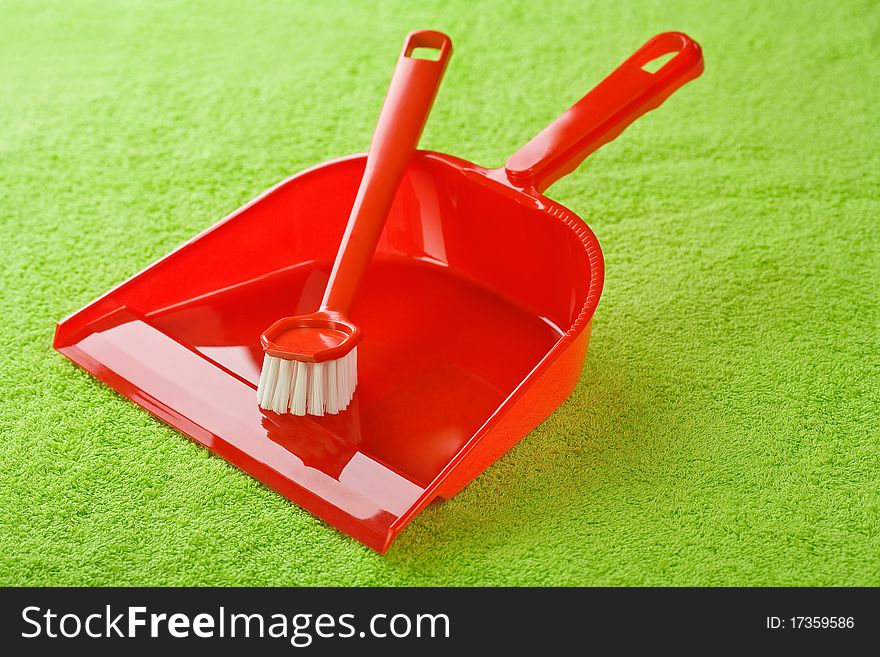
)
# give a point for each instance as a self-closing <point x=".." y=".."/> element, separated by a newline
<point x="310" y="362"/>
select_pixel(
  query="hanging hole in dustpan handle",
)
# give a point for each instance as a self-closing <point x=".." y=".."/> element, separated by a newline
<point x="636" y="87"/>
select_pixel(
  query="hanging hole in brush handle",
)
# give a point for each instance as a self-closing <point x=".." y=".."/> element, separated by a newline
<point x="410" y="96"/>
<point x="597" y="118"/>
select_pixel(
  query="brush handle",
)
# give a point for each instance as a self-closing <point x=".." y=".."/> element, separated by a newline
<point x="409" y="99"/>
<point x="606" y="111"/>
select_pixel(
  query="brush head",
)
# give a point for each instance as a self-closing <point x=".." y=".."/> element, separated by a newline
<point x="310" y="364"/>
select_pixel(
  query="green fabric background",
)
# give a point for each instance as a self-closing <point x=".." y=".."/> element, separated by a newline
<point x="725" y="429"/>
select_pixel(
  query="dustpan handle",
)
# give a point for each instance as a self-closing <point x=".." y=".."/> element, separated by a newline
<point x="407" y="103"/>
<point x="606" y="111"/>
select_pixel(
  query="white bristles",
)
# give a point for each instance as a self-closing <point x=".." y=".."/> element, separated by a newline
<point x="332" y="394"/>
<point x="316" y="389"/>
<point x="290" y="386"/>
<point x="301" y="388"/>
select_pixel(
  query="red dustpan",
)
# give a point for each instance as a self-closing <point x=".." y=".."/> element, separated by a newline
<point x="476" y="314"/>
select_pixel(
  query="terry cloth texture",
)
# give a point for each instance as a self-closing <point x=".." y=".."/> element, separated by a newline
<point x="725" y="428"/>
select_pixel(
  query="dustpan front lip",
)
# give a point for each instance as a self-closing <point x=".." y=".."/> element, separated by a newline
<point x="376" y="532"/>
